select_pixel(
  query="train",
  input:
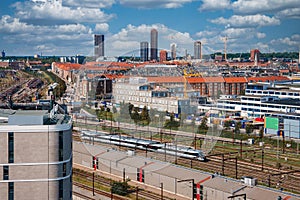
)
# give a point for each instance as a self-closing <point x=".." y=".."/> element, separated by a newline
<point x="144" y="144"/>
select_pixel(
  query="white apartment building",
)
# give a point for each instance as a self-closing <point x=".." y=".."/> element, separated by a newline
<point x="140" y="93"/>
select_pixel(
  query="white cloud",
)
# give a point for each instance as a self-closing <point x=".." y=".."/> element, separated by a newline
<point x="148" y="4"/>
<point x="260" y="35"/>
<point x="214" y="5"/>
<point x="289" y="13"/>
<point x="247" y="21"/>
<point x="63" y="39"/>
<point x="265" y="6"/>
<point x="293" y="41"/>
<point x="53" y="13"/>
<point x="89" y="3"/>
<point x="206" y="34"/>
<point x="100" y="28"/>
<point x="129" y="38"/>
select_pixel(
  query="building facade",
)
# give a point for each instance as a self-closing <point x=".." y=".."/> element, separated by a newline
<point x="36" y="155"/>
<point x="163" y="55"/>
<point x="98" y="46"/>
<point x="144" y="51"/>
<point x="173" y="51"/>
<point x="154" y="44"/>
<point x="197" y="50"/>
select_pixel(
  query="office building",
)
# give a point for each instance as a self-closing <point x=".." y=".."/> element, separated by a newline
<point x="173" y="51"/>
<point x="99" y="45"/>
<point x="36" y="153"/>
<point x="144" y="51"/>
<point x="163" y="55"/>
<point x="153" y="51"/>
<point x="197" y="50"/>
<point x="254" y="55"/>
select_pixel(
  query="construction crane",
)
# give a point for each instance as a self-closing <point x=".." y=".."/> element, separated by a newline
<point x="185" y="76"/>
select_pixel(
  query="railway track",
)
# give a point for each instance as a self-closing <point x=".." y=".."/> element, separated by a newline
<point x="135" y="192"/>
<point x="290" y="182"/>
<point x="82" y="196"/>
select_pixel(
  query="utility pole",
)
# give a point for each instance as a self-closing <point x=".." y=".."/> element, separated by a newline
<point x="161" y="191"/>
<point x="193" y="185"/>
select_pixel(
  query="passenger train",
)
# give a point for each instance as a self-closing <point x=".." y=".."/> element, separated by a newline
<point x="151" y="145"/>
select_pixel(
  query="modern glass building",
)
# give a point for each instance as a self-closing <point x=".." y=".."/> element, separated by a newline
<point x="99" y="45"/>
<point x="144" y="51"/>
<point x="154" y="41"/>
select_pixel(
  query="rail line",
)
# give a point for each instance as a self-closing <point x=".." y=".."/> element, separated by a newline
<point x="142" y="194"/>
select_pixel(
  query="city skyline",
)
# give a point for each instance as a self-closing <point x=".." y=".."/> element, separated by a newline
<point x="67" y="27"/>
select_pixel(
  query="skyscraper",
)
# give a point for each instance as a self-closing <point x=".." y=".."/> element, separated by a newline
<point x="144" y="51"/>
<point x="197" y="50"/>
<point x="99" y="45"/>
<point x="153" y="52"/>
<point x="173" y="51"/>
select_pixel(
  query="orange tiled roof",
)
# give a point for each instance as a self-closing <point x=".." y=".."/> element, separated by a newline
<point x="235" y="80"/>
<point x="194" y="80"/>
<point x="213" y="79"/>
<point x="67" y="66"/>
<point x="267" y="79"/>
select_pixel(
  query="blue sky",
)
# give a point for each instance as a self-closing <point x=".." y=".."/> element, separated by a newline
<point x="66" y="27"/>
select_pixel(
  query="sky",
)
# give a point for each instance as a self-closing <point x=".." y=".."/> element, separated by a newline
<point x="66" y="27"/>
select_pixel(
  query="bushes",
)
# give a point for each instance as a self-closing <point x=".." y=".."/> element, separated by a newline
<point x="120" y="188"/>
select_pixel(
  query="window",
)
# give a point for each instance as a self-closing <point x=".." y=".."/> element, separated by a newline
<point x="61" y="189"/>
<point x="61" y="145"/>
<point x="64" y="169"/>
<point x="5" y="172"/>
<point x="10" y="191"/>
<point x="10" y="147"/>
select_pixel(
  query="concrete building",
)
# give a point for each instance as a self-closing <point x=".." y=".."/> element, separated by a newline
<point x="144" y="51"/>
<point x="139" y="92"/>
<point x="36" y="154"/>
<point x="98" y="46"/>
<point x="163" y="55"/>
<point x="197" y="50"/>
<point x="173" y="51"/>
<point x="154" y="44"/>
<point x="254" y="55"/>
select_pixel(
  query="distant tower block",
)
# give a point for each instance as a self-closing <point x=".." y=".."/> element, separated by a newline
<point x="144" y="51"/>
<point x="99" y="46"/>
<point x="173" y="51"/>
<point x="153" y="51"/>
<point x="197" y="50"/>
<point x="163" y="55"/>
<point x="3" y="54"/>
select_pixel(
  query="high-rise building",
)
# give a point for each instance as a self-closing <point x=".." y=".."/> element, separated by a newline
<point x="173" y="51"/>
<point x="144" y="51"/>
<point x="99" y="45"/>
<point x="254" y="55"/>
<point x="163" y="55"/>
<point x="197" y="50"/>
<point x="153" y="51"/>
<point x="36" y="153"/>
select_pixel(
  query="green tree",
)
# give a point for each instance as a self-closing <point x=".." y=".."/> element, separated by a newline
<point x="135" y="116"/>
<point x="249" y="128"/>
<point x="120" y="188"/>
<point x="227" y="124"/>
<point x="145" y="118"/>
<point x="202" y="128"/>
<point x="238" y="126"/>
<point x="172" y="123"/>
